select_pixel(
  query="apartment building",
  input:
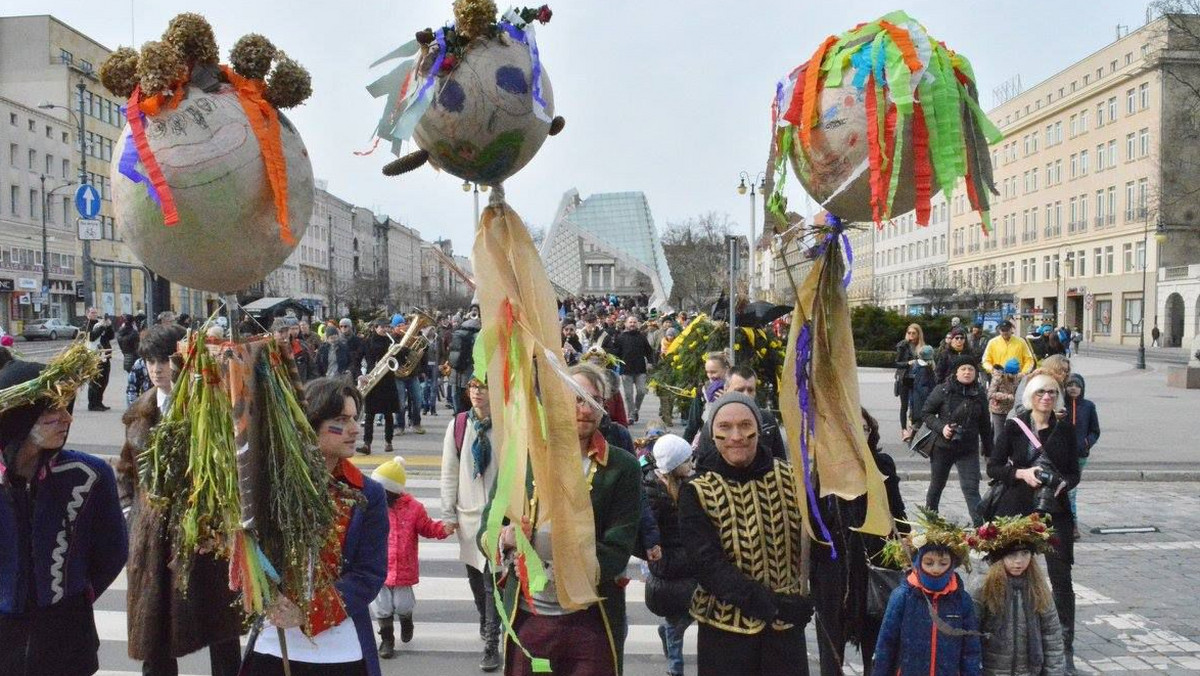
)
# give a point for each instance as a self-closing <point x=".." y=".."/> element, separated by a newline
<point x="910" y="262"/>
<point x="1091" y="168"/>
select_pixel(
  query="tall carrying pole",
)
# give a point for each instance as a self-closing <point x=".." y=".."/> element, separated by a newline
<point x="733" y="247"/>
<point x="88" y="274"/>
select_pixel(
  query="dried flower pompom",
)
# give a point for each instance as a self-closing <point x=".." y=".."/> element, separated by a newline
<point x="252" y="55"/>
<point x="160" y="68"/>
<point x="119" y="72"/>
<point x="192" y="35"/>
<point x="474" y="18"/>
<point x="289" y="84"/>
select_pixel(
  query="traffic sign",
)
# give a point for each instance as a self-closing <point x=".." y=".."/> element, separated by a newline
<point x="87" y="201"/>
<point x="89" y="228"/>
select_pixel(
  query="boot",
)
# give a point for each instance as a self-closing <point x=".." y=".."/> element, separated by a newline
<point x="491" y="658"/>
<point x="483" y="627"/>
<point x="387" y="636"/>
<point x="1069" y="652"/>
<point x="406" y="628"/>
<point x="364" y="449"/>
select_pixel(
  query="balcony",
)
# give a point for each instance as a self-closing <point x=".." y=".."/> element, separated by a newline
<point x="1110" y="219"/>
<point x="1179" y="273"/>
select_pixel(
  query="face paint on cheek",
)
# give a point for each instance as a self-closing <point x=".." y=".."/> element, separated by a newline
<point x="334" y="429"/>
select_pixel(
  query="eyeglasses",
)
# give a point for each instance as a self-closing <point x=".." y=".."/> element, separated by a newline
<point x="1040" y="394"/>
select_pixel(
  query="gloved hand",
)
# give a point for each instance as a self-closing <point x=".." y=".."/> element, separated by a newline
<point x="793" y="609"/>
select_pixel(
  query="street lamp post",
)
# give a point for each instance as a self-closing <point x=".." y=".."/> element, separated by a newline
<point x="467" y="187"/>
<point x="1159" y="236"/>
<point x="81" y="87"/>
<point x="746" y="184"/>
<point x="731" y="241"/>
<point x="45" y="239"/>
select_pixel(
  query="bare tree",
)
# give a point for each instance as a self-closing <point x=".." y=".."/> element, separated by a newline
<point x="696" y="254"/>
<point x="938" y="290"/>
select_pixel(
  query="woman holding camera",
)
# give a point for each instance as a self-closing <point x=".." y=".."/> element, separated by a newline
<point x="957" y="413"/>
<point x="1037" y="461"/>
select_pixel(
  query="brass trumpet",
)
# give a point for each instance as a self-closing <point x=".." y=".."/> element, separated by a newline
<point x="413" y="340"/>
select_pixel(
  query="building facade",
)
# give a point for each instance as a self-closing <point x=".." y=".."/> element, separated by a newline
<point x="37" y="184"/>
<point x="910" y="262"/>
<point x="1085" y="183"/>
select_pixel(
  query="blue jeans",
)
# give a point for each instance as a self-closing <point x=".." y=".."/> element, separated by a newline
<point x="409" y="390"/>
<point x="673" y="628"/>
<point x="1082" y="464"/>
<point x="429" y="403"/>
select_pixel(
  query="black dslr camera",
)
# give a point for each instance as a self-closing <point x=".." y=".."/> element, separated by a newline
<point x="1045" y="497"/>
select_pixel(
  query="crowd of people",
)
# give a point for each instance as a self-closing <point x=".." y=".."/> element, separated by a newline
<point x="713" y="511"/>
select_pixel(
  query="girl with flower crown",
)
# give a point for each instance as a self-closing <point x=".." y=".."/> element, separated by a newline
<point x="1023" y="636"/>
<point x="930" y="626"/>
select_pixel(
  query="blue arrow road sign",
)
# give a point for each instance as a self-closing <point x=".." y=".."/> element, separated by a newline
<point x="87" y="201"/>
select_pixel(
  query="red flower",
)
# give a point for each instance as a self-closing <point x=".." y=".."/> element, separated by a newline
<point x="1038" y="528"/>
<point x="544" y="14"/>
<point x="449" y="63"/>
<point x="988" y="532"/>
<point x="972" y="542"/>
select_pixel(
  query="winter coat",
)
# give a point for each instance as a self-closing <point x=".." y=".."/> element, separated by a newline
<point x="1082" y="414"/>
<point x="634" y="349"/>
<point x="905" y="353"/>
<point x="364" y="560"/>
<point x="62" y="543"/>
<point x="128" y="340"/>
<point x="944" y="364"/>
<point x="673" y="576"/>
<point x="924" y="380"/>
<point x="162" y="621"/>
<point x="1006" y="652"/>
<point x="464" y="495"/>
<point x="341" y="355"/>
<point x="962" y="405"/>
<point x="909" y="641"/>
<point x="407" y="519"/>
<point x="1002" y="393"/>
<point x="1013" y="451"/>
<point x="618" y="435"/>
<point x="383" y="398"/>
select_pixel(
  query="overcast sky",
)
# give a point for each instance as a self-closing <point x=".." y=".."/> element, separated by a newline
<point x="667" y="97"/>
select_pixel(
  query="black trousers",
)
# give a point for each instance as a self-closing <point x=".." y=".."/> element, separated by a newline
<point x="832" y="640"/>
<point x="941" y="459"/>
<point x="269" y="665"/>
<point x="96" y="387"/>
<point x="906" y="387"/>
<point x="224" y="659"/>
<point x="1058" y="569"/>
<point x="368" y="431"/>
<point x="767" y="653"/>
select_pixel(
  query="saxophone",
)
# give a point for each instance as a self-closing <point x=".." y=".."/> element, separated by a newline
<point x="416" y="344"/>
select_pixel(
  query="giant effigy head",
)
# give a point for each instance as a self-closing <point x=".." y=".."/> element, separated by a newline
<point x="212" y="184"/>
<point x="472" y="96"/>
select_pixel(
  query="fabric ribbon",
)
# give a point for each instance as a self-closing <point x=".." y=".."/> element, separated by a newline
<point x="264" y="120"/>
<point x="137" y="130"/>
<point x="128" y="166"/>
<point x="525" y="35"/>
<point x="803" y="359"/>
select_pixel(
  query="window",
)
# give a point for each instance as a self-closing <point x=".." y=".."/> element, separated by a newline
<point x="1083" y="162"/>
<point x="1081" y="262"/>
<point x="66" y="210"/>
<point x="1083" y="120"/>
<point x="1033" y="177"/>
<point x="1112" y="66"/>
<point x="1100" y="73"/>
<point x="1034" y="136"/>
<point x="49" y="131"/>
<point x="1130" y="140"/>
<point x="1103" y="317"/>
<point x="1112" y="153"/>
<point x="1128" y="58"/>
<point x="1070" y="264"/>
<point x="1144" y="142"/>
<point x="66" y="57"/>
<point x="1112" y="205"/>
<point x="1109" y="259"/>
<point x="1132" y="313"/>
<point x="1047" y="270"/>
<point x="32" y="159"/>
<point x="66" y="138"/>
<point x="1074" y="126"/>
<point x="1073" y="210"/>
<point x="1143" y="189"/>
<point x="32" y="124"/>
<point x="1099" y="115"/>
<point x="49" y="163"/>
<point x="1086" y="79"/>
<point x="1112" y="109"/>
<point x="1144" y="95"/>
<point x="1139" y="255"/>
<point x="1098" y="253"/>
<point x="1099" y="208"/>
<point x="1083" y="212"/>
<point x="14" y="204"/>
<point x="66" y="168"/>
<point x="33" y="203"/>
<point x="1057" y="171"/>
<point x="1127" y="257"/>
<point x="1130" y="101"/>
<point x="1130" y="206"/>
<point x="1074" y="165"/>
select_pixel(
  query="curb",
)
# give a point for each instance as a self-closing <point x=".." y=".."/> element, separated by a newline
<point x="1094" y="475"/>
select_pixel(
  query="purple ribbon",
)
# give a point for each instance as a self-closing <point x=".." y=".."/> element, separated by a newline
<point x="128" y="165"/>
<point x="837" y="228"/>
<point x="526" y="38"/>
<point x="440" y="35"/>
<point x="803" y="360"/>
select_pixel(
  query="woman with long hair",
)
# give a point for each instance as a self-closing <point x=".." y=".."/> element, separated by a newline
<point x="907" y="351"/>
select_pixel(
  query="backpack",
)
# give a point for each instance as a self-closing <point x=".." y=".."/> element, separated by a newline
<point x="460" y="431"/>
<point x="462" y="342"/>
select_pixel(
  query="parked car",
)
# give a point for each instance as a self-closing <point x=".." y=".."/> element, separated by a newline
<point x="49" y="329"/>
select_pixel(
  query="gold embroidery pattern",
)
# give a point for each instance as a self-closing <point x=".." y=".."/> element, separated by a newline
<point x="759" y="523"/>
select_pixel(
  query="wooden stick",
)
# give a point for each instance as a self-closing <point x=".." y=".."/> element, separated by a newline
<point x="287" y="666"/>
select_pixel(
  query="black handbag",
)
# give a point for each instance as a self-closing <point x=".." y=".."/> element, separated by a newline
<point x="669" y="598"/>
<point x="992" y="497"/>
<point x="881" y="582"/>
<point x="922" y="441"/>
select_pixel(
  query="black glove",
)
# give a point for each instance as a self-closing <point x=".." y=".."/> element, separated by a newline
<point x="793" y="609"/>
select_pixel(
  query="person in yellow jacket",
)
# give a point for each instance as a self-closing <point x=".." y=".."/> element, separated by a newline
<point x="1007" y="346"/>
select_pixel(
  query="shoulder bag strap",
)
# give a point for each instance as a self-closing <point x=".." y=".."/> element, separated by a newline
<point x="1033" y="440"/>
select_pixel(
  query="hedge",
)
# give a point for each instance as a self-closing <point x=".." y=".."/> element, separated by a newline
<point x="876" y="358"/>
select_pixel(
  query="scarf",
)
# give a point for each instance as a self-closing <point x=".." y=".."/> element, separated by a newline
<point x="1019" y="587"/>
<point x="481" y="447"/>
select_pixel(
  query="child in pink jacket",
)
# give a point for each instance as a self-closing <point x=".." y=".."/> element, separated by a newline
<point x="407" y="519"/>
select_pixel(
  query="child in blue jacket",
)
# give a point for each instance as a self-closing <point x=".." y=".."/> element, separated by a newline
<point x="1082" y="414"/>
<point x="910" y="643"/>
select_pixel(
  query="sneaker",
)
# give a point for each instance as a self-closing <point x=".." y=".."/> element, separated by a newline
<point x="399" y="430"/>
<point x="491" y="659"/>
<point x="387" y="448"/>
<point x="406" y="628"/>
<point x="365" y="449"/>
<point x="419" y="430"/>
